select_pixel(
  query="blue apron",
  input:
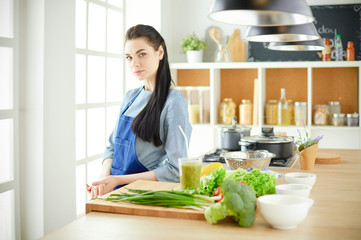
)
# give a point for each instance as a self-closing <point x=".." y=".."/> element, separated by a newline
<point x="125" y="160"/>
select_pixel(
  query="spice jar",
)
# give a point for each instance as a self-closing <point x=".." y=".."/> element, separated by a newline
<point x="245" y="112"/>
<point x="227" y="111"/>
<point x="320" y="114"/>
<point x="300" y="113"/>
<point x="338" y="119"/>
<point x="333" y="107"/>
<point x="272" y="112"/>
<point x="352" y="119"/>
<point x="326" y="53"/>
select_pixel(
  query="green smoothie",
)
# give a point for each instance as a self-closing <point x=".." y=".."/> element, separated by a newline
<point x="190" y="174"/>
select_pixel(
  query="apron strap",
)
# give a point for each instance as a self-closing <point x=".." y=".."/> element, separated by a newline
<point x="131" y="101"/>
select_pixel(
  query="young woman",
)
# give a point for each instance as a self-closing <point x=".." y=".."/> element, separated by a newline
<point x="146" y="142"/>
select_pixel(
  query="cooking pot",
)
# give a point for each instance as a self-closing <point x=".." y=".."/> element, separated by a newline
<point x="230" y="136"/>
<point x="281" y="146"/>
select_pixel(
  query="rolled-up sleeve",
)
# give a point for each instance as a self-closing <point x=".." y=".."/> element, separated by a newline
<point x="175" y="115"/>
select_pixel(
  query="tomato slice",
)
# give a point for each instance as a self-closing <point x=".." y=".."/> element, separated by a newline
<point x="221" y="195"/>
<point x="217" y="192"/>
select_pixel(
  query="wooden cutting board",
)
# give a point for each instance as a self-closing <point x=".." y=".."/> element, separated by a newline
<point x="99" y="205"/>
<point x="327" y="158"/>
<point x="237" y="47"/>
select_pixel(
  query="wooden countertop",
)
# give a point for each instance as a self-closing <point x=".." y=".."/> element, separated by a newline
<point x="336" y="214"/>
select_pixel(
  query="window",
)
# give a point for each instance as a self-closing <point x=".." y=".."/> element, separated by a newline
<point x="9" y="181"/>
<point x="99" y="85"/>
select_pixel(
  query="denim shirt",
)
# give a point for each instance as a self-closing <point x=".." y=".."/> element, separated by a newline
<point x="163" y="159"/>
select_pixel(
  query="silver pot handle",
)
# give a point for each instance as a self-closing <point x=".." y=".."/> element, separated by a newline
<point x="244" y="143"/>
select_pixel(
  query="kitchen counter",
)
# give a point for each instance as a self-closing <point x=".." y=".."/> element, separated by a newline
<point x="336" y="214"/>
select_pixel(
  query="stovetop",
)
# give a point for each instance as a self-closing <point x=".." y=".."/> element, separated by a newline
<point x="275" y="163"/>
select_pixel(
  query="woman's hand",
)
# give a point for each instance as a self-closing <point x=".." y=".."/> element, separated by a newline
<point x="103" y="186"/>
<point x="94" y="191"/>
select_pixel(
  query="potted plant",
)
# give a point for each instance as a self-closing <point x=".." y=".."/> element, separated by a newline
<point x="307" y="149"/>
<point x="193" y="47"/>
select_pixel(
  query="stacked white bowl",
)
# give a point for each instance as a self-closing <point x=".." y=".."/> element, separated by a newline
<point x="289" y="207"/>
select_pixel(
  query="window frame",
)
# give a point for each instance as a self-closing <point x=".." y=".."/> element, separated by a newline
<point x="86" y="160"/>
<point x="13" y="114"/>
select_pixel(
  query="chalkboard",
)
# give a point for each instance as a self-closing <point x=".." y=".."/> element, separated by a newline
<point x="329" y="20"/>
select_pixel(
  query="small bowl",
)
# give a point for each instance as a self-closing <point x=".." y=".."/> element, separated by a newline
<point x="303" y="190"/>
<point x="259" y="159"/>
<point x="284" y="211"/>
<point x="299" y="177"/>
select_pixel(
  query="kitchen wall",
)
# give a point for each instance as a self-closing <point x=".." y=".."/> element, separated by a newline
<point x="181" y="18"/>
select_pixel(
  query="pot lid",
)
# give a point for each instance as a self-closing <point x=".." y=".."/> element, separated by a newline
<point x="234" y="128"/>
<point x="263" y="139"/>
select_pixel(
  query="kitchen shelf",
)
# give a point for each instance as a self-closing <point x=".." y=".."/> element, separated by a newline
<point x="256" y="65"/>
<point x="311" y="81"/>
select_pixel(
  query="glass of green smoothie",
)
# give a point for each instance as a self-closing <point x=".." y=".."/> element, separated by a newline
<point x="190" y="172"/>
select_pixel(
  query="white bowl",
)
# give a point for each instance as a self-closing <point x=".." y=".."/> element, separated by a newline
<point x="299" y="177"/>
<point x="284" y="211"/>
<point x="303" y="190"/>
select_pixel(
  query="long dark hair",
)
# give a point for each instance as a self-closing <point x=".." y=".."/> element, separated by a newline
<point x="147" y="124"/>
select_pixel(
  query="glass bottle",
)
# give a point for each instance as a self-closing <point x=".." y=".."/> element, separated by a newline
<point x="338" y="48"/>
<point x="283" y="109"/>
<point x="326" y="53"/>
<point x="227" y="111"/>
<point x="272" y="112"/>
<point x="350" y="52"/>
<point x="291" y="108"/>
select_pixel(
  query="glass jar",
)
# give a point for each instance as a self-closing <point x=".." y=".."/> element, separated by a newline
<point x="193" y="105"/>
<point x="291" y="108"/>
<point x="333" y="107"/>
<point x="300" y="113"/>
<point x="320" y="114"/>
<point x="272" y="112"/>
<point x="227" y="111"/>
<point x="352" y="119"/>
<point x="204" y="116"/>
<point x="245" y="112"/>
<point x="339" y="119"/>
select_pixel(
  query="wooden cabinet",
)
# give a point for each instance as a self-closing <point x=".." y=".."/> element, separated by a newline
<point x="311" y="82"/>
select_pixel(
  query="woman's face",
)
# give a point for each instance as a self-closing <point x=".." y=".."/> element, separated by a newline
<point x="142" y="59"/>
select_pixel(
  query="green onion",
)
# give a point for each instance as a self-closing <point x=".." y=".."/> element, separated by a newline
<point x="172" y="198"/>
